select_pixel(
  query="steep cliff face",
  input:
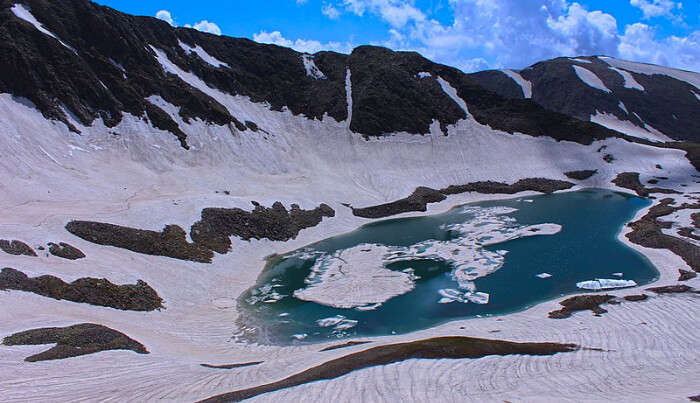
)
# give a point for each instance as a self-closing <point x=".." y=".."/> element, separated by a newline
<point x="652" y="102"/>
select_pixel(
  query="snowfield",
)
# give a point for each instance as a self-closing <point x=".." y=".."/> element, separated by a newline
<point x="136" y="175"/>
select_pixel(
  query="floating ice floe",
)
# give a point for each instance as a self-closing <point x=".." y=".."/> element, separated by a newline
<point x="618" y="274"/>
<point x="451" y="295"/>
<point x="543" y="275"/>
<point x="338" y="322"/>
<point x="300" y="336"/>
<point x="370" y="307"/>
<point x="605" y="284"/>
<point x="357" y="277"/>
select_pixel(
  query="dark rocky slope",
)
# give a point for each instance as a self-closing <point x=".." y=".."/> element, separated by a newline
<point x="114" y="49"/>
<point x="667" y="104"/>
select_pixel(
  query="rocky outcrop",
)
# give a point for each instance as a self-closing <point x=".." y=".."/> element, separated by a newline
<point x="171" y="241"/>
<point x="582" y="303"/>
<point x="581" y="175"/>
<point x="65" y="251"/>
<point x="16" y="247"/>
<point x="276" y="223"/>
<point x="417" y="201"/>
<point x="420" y="198"/>
<point x="210" y="234"/>
<point x="435" y="348"/>
<point x="73" y="341"/>
<point x="93" y="291"/>
<point x="630" y="180"/>
<point x="647" y="232"/>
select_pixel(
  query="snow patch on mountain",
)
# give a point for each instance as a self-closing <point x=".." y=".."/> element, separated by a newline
<point x="523" y="83"/>
<point x="424" y="74"/>
<point x="452" y="93"/>
<point x="202" y="54"/>
<point x="348" y="95"/>
<point x="590" y="78"/>
<point x="649" y="69"/>
<point x="22" y="12"/>
<point x="630" y="82"/>
<point x="581" y="60"/>
<point x="623" y="107"/>
<point x="611" y="121"/>
<point x="311" y="69"/>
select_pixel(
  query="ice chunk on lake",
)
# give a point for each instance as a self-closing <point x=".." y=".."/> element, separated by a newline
<point x="346" y="324"/>
<point x="605" y="284"/>
<point x="618" y="274"/>
<point x="480" y="298"/>
<point x="543" y="275"/>
<point x="445" y="300"/>
<point x="300" y="336"/>
<point x="332" y="321"/>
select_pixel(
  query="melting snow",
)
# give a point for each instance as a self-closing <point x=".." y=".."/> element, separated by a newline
<point x="605" y="284"/>
<point x="22" y="11"/>
<point x="650" y="69"/>
<point x="590" y="78"/>
<point x="523" y="83"/>
<point x="630" y="82"/>
<point x="623" y="107"/>
<point x="625" y="126"/>
<point x="348" y="95"/>
<point x="311" y="69"/>
<point x="202" y="54"/>
<point x="452" y="93"/>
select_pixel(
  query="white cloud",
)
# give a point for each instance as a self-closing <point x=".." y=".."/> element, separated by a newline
<point x="331" y="12"/>
<point x="657" y="8"/>
<point x="516" y="33"/>
<point x="395" y="12"/>
<point x="206" y="26"/>
<point x="639" y="43"/>
<point x="166" y="16"/>
<point x="300" y="45"/>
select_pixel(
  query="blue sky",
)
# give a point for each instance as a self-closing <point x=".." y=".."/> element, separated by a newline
<point x="469" y="34"/>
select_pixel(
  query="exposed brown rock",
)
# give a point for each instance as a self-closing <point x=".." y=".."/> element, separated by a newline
<point x="581" y="303"/>
<point x="685" y="275"/>
<point x="672" y="289"/>
<point x="65" y="251"/>
<point x="171" y="242"/>
<point x="129" y="297"/>
<point x="419" y="199"/>
<point x="630" y="180"/>
<point x="73" y="341"/>
<point x="637" y="297"/>
<point x="435" y="348"/>
<point x="581" y="175"/>
<point x="16" y="247"/>
<point x="231" y="366"/>
<point x="346" y="344"/>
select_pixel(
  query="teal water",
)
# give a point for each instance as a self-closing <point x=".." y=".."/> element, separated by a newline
<point x="586" y="248"/>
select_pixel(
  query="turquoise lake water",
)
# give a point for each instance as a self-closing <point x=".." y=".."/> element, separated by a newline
<point x="586" y="248"/>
